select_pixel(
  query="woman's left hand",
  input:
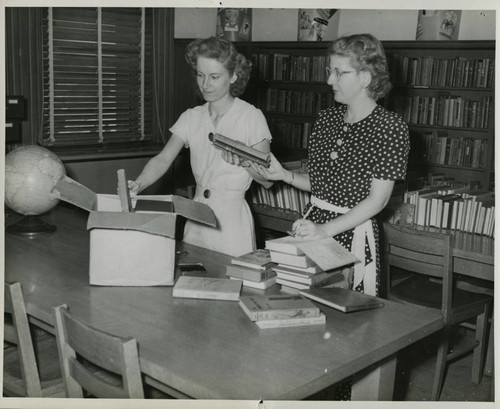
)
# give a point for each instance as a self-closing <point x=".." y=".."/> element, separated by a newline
<point x="306" y="229"/>
<point x="234" y="159"/>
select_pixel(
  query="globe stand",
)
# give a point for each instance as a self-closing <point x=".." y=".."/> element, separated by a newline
<point x="31" y="226"/>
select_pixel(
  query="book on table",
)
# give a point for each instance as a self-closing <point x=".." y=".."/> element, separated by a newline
<point x="210" y="288"/>
<point x="342" y="299"/>
<point x="300" y="276"/>
<point x="288" y="289"/>
<point x="249" y="274"/>
<point x="293" y="260"/>
<point x="292" y="322"/>
<point x="331" y="279"/>
<point x="267" y="307"/>
<point x="259" y="285"/>
<point x="259" y="259"/>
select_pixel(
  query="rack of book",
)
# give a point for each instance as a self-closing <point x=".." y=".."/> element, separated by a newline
<point x="280" y="202"/>
<point x="453" y="206"/>
<point x="445" y="92"/>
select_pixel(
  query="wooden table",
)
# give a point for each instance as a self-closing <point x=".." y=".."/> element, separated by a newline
<point x="210" y="349"/>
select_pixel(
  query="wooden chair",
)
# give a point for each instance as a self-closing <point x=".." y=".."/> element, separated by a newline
<point x="95" y="363"/>
<point x="428" y="256"/>
<point x="30" y="369"/>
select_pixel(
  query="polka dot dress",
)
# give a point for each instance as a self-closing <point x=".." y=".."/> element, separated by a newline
<point x="345" y="157"/>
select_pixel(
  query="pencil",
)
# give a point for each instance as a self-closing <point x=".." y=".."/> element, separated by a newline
<point x="303" y="218"/>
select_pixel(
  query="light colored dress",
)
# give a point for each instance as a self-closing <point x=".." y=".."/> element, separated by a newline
<point x="220" y="185"/>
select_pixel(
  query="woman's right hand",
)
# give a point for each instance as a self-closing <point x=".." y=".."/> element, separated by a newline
<point x="134" y="187"/>
<point x="274" y="172"/>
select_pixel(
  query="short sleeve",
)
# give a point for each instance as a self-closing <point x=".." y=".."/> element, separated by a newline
<point x="181" y="127"/>
<point x="259" y="130"/>
<point x="394" y="145"/>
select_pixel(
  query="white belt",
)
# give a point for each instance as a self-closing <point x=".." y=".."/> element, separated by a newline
<point x="366" y="273"/>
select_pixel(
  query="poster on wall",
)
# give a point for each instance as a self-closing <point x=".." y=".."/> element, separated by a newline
<point x="313" y="23"/>
<point x="438" y="24"/>
<point x="234" y="24"/>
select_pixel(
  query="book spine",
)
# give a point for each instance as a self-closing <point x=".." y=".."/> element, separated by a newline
<point x="291" y="322"/>
<point x="179" y="293"/>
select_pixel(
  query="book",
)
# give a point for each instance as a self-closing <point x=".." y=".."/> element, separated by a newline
<point x="240" y="149"/>
<point x="291" y="322"/>
<point x="259" y="285"/>
<point x="327" y="253"/>
<point x="287" y="244"/>
<point x="250" y="274"/>
<point x="342" y="299"/>
<point x="209" y="288"/>
<point x="266" y="307"/>
<point x="331" y="279"/>
<point x="291" y="259"/>
<point x="307" y="278"/>
<point x="258" y="259"/>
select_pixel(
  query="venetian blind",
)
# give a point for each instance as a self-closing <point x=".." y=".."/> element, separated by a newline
<point x="96" y="79"/>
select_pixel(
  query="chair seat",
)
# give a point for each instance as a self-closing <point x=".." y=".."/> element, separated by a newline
<point x="423" y="291"/>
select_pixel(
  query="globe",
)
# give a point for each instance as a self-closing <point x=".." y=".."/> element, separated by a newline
<point x="30" y="174"/>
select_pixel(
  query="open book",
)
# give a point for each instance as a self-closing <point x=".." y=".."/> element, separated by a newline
<point x="240" y="149"/>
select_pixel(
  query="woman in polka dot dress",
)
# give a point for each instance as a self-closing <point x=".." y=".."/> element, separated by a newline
<point x="356" y="152"/>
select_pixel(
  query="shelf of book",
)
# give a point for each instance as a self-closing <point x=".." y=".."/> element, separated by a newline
<point x="273" y="218"/>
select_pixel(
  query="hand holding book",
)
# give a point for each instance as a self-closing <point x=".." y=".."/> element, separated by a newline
<point x="243" y="152"/>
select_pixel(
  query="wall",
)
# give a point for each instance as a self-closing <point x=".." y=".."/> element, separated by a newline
<point x="100" y="175"/>
<point x="281" y="24"/>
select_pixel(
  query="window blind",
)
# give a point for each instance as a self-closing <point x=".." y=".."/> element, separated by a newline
<point x="97" y="78"/>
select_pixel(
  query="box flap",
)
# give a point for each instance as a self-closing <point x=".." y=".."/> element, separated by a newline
<point x="75" y="193"/>
<point x="192" y="210"/>
<point x="153" y="223"/>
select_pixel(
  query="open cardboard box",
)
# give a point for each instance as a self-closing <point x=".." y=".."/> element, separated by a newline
<point x="135" y="248"/>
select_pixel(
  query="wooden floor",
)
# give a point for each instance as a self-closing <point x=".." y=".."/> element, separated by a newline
<point x="415" y="373"/>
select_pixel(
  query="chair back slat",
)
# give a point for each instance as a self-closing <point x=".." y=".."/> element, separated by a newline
<point x="96" y="346"/>
<point x="93" y="384"/>
<point x="421" y="241"/>
<point x="417" y="255"/>
<point x="415" y="266"/>
<point x="114" y="371"/>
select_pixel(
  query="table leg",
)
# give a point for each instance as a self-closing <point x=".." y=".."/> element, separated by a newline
<point x="375" y="383"/>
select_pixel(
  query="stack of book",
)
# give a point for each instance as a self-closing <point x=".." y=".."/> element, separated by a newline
<point x="254" y="269"/>
<point x="296" y="271"/>
<point x="278" y="311"/>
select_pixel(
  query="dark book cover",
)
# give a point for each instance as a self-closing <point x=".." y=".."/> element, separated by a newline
<point x="342" y="299"/>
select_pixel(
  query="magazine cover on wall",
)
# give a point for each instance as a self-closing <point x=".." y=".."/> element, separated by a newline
<point x="438" y="24"/>
<point x="313" y="23"/>
<point x="234" y="24"/>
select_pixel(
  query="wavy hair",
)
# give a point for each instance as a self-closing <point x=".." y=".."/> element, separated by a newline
<point x="366" y="53"/>
<point x="225" y="52"/>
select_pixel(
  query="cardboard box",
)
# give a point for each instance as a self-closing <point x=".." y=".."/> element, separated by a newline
<point x="133" y="248"/>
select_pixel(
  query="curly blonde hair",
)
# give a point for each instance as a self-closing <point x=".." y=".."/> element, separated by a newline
<point x="366" y="53"/>
<point x="225" y="52"/>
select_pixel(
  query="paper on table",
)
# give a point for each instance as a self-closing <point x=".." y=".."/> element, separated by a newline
<point x="327" y="253"/>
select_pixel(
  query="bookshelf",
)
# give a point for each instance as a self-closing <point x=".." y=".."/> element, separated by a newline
<point x="444" y="90"/>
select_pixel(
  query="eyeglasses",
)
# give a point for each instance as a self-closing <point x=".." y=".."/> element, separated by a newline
<point x="338" y="73"/>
